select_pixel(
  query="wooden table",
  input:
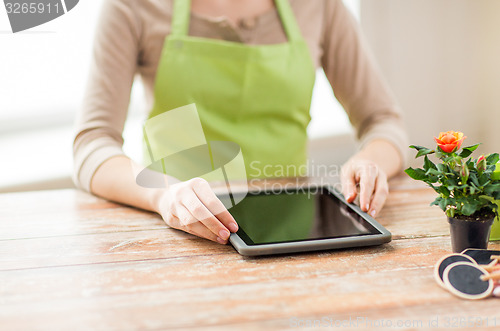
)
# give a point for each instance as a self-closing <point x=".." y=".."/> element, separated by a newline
<point x="69" y="260"/>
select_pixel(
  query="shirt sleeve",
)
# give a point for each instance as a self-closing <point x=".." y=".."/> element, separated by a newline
<point x="356" y="81"/>
<point x="102" y="117"/>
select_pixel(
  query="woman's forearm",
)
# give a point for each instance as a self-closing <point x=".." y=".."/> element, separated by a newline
<point x="190" y="206"/>
<point x="115" y="180"/>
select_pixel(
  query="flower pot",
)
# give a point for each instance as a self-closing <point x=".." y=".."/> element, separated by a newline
<point x="469" y="234"/>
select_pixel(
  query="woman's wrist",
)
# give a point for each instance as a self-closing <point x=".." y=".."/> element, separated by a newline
<point x="383" y="154"/>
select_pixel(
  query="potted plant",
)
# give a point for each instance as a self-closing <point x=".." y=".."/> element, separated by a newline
<point x="467" y="191"/>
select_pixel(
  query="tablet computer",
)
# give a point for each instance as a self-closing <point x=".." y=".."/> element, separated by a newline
<point x="300" y="220"/>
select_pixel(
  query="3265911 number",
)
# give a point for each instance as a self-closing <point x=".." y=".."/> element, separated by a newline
<point x="32" y="8"/>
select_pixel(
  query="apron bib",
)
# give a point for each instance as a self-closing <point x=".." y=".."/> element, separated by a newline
<point x="255" y="96"/>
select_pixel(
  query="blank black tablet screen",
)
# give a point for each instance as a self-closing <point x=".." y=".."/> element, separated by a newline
<point x="297" y="215"/>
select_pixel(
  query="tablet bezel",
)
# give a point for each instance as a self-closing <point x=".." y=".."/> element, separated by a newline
<point x="308" y="245"/>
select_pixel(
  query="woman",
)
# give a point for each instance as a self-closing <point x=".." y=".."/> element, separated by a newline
<point x="267" y="52"/>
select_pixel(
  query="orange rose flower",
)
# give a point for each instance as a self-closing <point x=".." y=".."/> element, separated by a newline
<point x="450" y="141"/>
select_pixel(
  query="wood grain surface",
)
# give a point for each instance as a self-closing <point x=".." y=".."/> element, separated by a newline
<point x="69" y="260"/>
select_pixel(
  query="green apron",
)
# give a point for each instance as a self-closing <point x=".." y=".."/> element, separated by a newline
<point x="255" y="96"/>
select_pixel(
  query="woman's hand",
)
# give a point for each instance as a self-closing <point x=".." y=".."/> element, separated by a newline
<point x="193" y="207"/>
<point x="364" y="178"/>
<point x="365" y="175"/>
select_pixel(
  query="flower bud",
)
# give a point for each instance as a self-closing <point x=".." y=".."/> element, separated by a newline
<point x="481" y="163"/>
<point x="464" y="173"/>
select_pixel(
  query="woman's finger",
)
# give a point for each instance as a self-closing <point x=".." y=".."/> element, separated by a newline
<point x="188" y="224"/>
<point x="200" y="230"/>
<point x="348" y="182"/>
<point x="214" y="205"/>
<point x="380" y="194"/>
<point x="200" y="213"/>
<point x="367" y="177"/>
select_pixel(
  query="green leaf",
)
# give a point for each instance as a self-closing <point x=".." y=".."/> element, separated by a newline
<point x="492" y="189"/>
<point x="468" y="209"/>
<point x="490" y="168"/>
<point x="483" y="180"/>
<point x="440" y="202"/>
<point x="428" y="164"/>
<point x="472" y="148"/>
<point x="451" y="183"/>
<point x="442" y="168"/>
<point x="466" y="151"/>
<point x="431" y="179"/>
<point x="417" y="147"/>
<point x="492" y="158"/>
<point x="485" y="197"/>
<point x="439" y="154"/>
<point x="443" y="203"/>
<point x="422" y="150"/>
<point x="473" y="179"/>
<point x="417" y="174"/>
<point x="436" y="201"/>
<point x="449" y="158"/>
<point x="433" y="172"/>
<point x="443" y="190"/>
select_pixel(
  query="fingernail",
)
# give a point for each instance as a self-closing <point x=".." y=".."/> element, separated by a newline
<point x="373" y="213"/>
<point x="221" y="241"/>
<point x="224" y="234"/>
<point x="233" y="227"/>
<point x="367" y="207"/>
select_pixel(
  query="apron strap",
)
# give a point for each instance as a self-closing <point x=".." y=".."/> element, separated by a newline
<point x="180" y="17"/>
<point x="182" y="10"/>
<point x="288" y="20"/>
